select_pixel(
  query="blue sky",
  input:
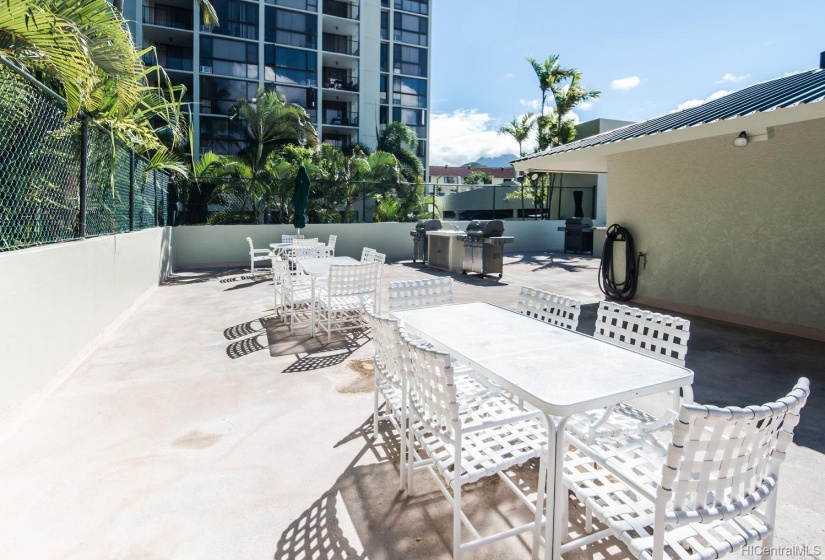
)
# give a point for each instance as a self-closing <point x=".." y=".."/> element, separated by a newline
<point x="647" y="58"/>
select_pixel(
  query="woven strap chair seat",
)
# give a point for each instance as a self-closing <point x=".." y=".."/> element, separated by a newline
<point x="489" y="451"/>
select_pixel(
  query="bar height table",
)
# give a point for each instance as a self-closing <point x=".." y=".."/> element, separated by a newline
<point x="558" y="371"/>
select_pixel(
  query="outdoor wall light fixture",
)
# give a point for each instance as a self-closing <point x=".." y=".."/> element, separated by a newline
<point x="741" y="141"/>
<point x="534" y="176"/>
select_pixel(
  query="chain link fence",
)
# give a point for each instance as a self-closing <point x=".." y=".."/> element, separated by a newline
<point x="63" y="179"/>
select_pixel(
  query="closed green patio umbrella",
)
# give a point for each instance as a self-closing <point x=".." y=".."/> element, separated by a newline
<point x="300" y="199"/>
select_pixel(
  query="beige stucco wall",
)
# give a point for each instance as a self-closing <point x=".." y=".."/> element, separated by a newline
<point x="58" y="300"/>
<point x="732" y="232"/>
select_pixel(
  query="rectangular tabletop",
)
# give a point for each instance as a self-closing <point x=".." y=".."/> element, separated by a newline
<point x="320" y="267"/>
<point x="558" y="371"/>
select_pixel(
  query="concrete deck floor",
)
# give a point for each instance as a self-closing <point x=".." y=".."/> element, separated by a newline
<point x="200" y="430"/>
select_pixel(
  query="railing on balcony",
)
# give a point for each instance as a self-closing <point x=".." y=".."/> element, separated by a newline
<point x="345" y="83"/>
<point x="341" y="9"/>
<point x="341" y="118"/>
<point x="340" y="44"/>
<point x="181" y="60"/>
<point x="167" y="16"/>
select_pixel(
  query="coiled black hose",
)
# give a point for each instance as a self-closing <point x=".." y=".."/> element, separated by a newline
<point x="626" y="289"/>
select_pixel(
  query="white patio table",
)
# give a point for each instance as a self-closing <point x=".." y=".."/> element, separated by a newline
<point x="558" y="371"/>
<point x="319" y="268"/>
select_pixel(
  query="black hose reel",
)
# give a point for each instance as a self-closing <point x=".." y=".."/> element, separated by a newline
<point x="624" y="289"/>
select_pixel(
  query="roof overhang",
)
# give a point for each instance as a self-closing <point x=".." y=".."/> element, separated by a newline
<point x="594" y="159"/>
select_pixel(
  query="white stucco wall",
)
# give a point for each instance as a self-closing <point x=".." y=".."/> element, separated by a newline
<point x="732" y="233"/>
<point x="58" y="300"/>
<point x="215" y="246"/>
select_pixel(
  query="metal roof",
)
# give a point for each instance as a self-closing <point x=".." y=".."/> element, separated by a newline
<point x="781" y="93"/>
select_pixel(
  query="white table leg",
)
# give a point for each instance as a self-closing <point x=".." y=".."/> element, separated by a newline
<point x="559" y="495"/>
<point x="553" y="435"/>
<point x="312" y="304"/>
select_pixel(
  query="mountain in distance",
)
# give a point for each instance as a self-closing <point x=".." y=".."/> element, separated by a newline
<point x="498" y="161"/>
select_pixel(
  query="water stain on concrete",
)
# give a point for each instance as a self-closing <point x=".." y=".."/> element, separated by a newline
<point x="364" y="383"/>
<point x="197" y="440"/>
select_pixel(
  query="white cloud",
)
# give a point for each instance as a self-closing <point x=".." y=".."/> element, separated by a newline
<point x="466" y="135"/>
<point x="533" y="104"/>
<point x="625" y="83"/>
<point x="508" y="76"/>
<point x="732" y="78"/>
<point x="585" y="105"/>
<point x="690" y="103"/>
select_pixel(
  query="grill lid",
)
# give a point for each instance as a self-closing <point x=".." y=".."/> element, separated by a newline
<point x="428" y="225"/>
<point x="485" y="228"/>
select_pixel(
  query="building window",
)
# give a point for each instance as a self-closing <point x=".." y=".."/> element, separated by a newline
<point x="229" y="58"/>
<point x="291" y="28"/>
<point x="450" y="180"/>
<point x="385" y="25"/>
<point x="305" y="97"/>
<point x="410" y="92"/>
<point x="222" y="136"/>
<point x="416" y="119"/>
<point x="383" y="114"/>
<point x="238" y="19"/>
<point x="416" y="6"/>
<point x="384" y="80"/>
<point x="409" y="60"/>
<point x="308" y="5"/>
<point x="218" y="94"/>
<point x="410" y="29"/>
<point x="290" y="66"/>
<point x="385" y="57"/>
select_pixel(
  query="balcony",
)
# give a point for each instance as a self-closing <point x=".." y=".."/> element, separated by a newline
<point x="341" y="118"/>
<point x="178" y="59"/>
<point x="167" y="16"/>
<point x="338" y="81"/>
<point x="340" y="44"/>
<point x="340" y="9"/>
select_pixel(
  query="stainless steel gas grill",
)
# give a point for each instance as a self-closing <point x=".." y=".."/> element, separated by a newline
<point x="578" y="235"/>
<point x="484" y="247"/>
<point x="419" y="235"/>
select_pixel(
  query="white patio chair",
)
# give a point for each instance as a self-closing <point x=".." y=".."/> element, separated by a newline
<point x="257" y="256"/>
<point x="293" y="294"/>
<point x="390" y="383"/>
<point x="379" y="259"/>
<point x="410" y="294"/>
<point x="367" y="254"/>
<point x="550" y="308"/>
<point x="304" y="248"/>
<point x="657" y="335"/>
<point x="465" y="440"/>
<point x="331" y="245"/>
<point x="290" y="238"/>
<point x="342" y="303"/>
<point x="712" y="492"/>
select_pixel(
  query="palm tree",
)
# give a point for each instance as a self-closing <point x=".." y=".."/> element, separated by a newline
<point x="520" y="129"/>
<point x="400" y="140"/>
<point x="550" y="74"/>
<point x="566" y="97"/>
<point x="270" y="122"/>
<point x="372" y="171"/>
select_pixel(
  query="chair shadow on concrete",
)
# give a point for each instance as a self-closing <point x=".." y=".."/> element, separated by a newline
<point x="185" y="277"/>
<point x="364" y="515"/>
<point x="311" y="353"/>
